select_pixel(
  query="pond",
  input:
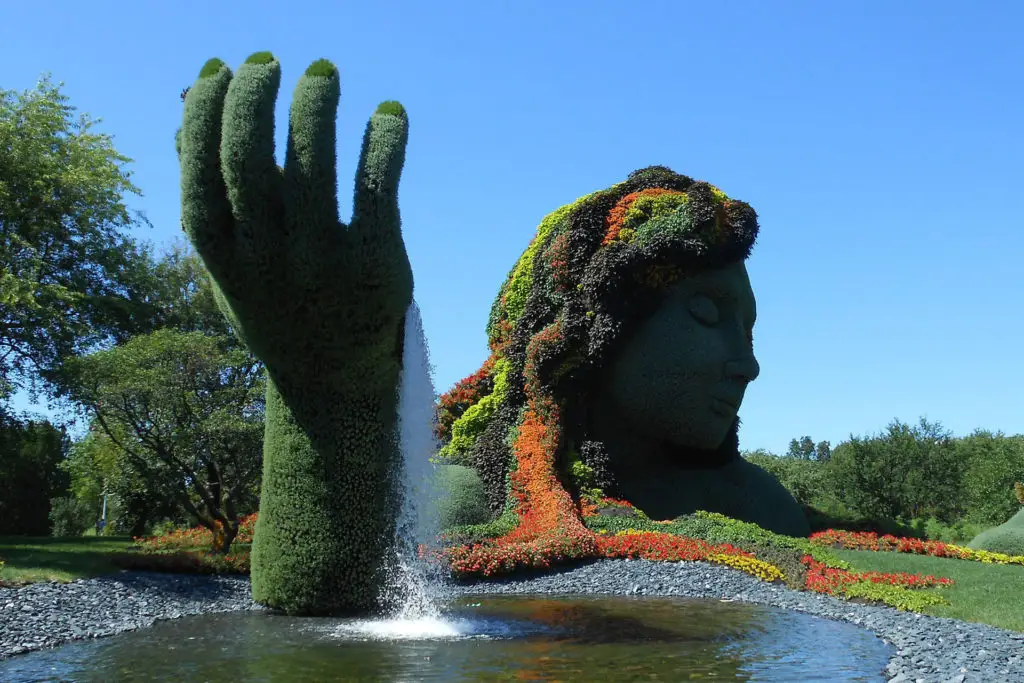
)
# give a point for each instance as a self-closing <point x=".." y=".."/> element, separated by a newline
<point x="485" y="638"/>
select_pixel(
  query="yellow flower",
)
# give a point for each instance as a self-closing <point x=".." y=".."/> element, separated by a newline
<point x="759" y="568"/>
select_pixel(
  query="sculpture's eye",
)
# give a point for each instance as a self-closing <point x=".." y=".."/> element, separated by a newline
<point x="704" y="309"/>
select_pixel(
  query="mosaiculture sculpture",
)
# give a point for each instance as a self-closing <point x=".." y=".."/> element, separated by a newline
<point x="321" y="303"/>
<point x="621" y="347"/>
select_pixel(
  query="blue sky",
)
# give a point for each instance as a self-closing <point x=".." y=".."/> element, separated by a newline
<point x="880" y="143"/>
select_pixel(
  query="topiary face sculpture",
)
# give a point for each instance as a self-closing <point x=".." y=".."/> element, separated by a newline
<point x="621" y="349"/>
<point x="680" y="376"/>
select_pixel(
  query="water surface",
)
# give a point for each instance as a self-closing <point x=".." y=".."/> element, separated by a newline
<point x="489" y="638"/>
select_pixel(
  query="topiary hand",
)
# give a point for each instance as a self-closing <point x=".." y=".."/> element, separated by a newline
<point x="303" y="290"/>
<point x="321" y="303"/>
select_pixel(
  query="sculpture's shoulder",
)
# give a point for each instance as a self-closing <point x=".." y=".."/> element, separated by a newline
<point x="765" y="500"/>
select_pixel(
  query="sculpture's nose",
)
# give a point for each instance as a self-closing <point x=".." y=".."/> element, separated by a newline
<point x="745" y="368"/>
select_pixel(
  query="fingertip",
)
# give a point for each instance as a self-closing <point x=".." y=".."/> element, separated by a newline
<point x="265" y="57"/>
<point x="392" y="108"/>
<point x="322" y="67"/>
<point x="212" y="67"/>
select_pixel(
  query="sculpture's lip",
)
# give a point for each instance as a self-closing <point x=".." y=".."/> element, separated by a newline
<point x="726" y="405"/>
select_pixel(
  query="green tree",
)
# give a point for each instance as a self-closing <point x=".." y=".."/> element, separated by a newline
<point x="67" y="270"/>
<point x="994" y="463"/>
<point x="802" y="449"/>
<point x="823" y="451"/>
<point x="175" y="292"/>
<point x="907" y="472"/>
<point x="804" y="478"/>
<point x="186" y="414"/>
<point x="96" y="465"/>
<point x="30" y="454"/>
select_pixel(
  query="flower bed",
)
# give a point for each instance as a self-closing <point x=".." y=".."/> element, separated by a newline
<point x="547" y="536"/>
<point x="195" y="538"/>
<point x="866" y="540"/>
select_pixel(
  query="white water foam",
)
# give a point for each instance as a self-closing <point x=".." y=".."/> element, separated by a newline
<point x="461" y="628"/>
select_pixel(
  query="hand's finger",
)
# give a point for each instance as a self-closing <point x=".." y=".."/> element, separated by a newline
<point x="376" y="233"/>
<point x="247" y="157"/>
<point x="310" y="169"/>
<point x="205" y="210"/>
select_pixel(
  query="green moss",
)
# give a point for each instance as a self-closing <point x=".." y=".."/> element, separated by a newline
<point x="392" y="108"/>
<point x="728" y="527"/>
<point x="260" y="58"/>
<point x="786" y="559"/>
<point x="322" y="67"/>
<point x="211" y="67"/>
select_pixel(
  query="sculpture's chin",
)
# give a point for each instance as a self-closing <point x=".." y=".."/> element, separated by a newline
<point x="708" y="435"/>
<point x="714" y="445"/>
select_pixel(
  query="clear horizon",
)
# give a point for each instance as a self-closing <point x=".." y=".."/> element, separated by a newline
<point x="876" y="142"/>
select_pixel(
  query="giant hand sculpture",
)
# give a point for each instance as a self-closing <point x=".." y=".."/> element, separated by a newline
<point x="322" y="303"/>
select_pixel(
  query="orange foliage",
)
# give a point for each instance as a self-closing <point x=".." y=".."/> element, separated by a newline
<point x="613" y="223"/>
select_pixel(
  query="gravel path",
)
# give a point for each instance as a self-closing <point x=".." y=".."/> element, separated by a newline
<point x="927" y="648"/>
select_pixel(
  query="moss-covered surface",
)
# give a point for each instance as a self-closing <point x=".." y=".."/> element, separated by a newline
<point x="322" y="303"/>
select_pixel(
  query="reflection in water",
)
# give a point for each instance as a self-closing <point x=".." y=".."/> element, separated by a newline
<point x="481" y="639"/>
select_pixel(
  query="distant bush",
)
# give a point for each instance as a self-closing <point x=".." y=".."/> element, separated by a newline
<point x="934" y="530"/>
<point x="463" y="499"/>
<point x="1006" y="538"/>
<point x="70" y="517"/>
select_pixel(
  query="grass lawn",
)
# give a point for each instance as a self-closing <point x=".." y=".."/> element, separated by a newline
<point x="985" y="593"/>
<point x="31" y="559"/>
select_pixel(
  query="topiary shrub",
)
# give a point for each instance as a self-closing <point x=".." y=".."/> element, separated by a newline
<point x="322" y="303"/>
<point x="1006" y="538"/>
<point x="463" y="500"/>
